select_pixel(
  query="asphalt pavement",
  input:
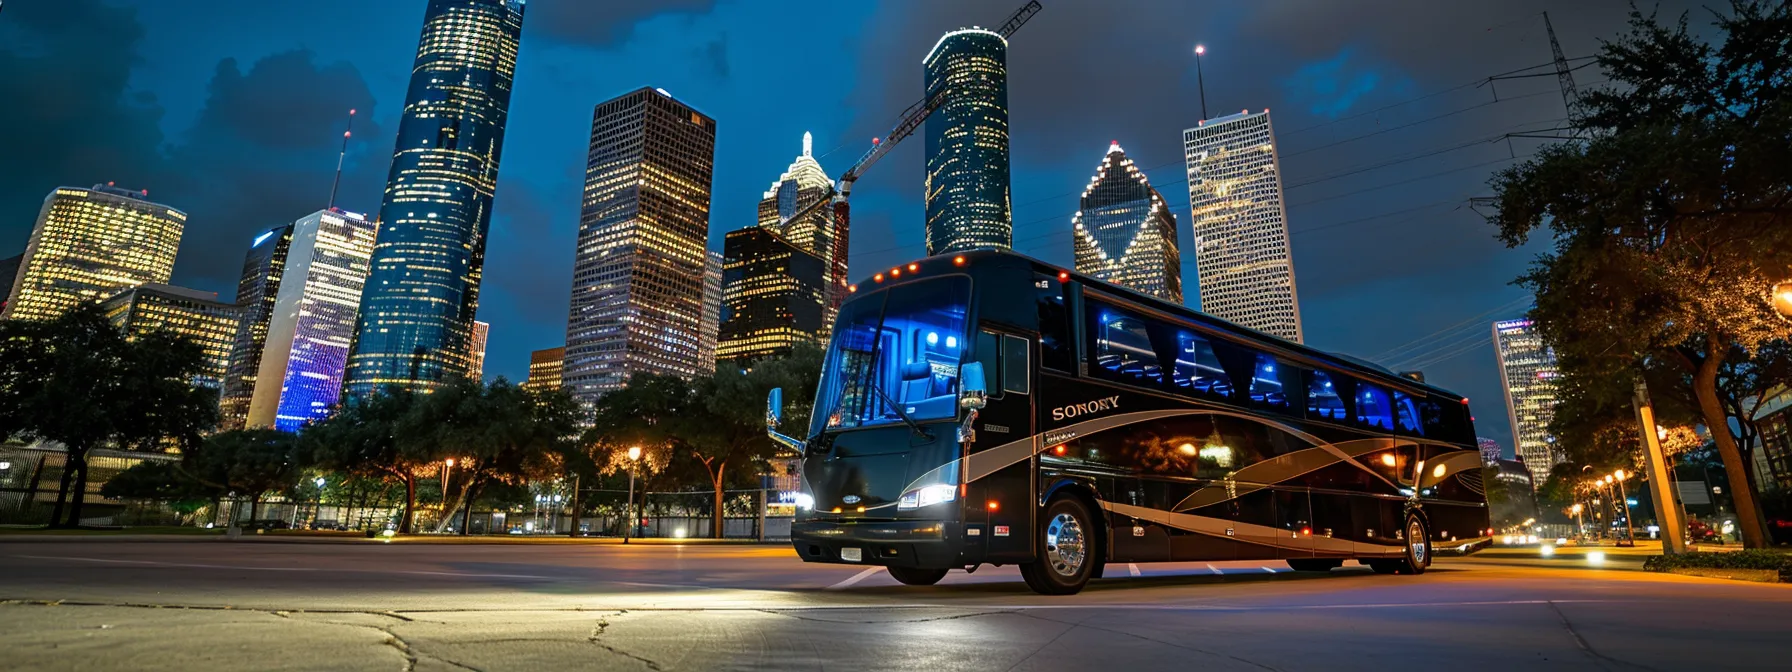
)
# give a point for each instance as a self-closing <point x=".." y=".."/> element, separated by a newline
<point x="207" y="603"/>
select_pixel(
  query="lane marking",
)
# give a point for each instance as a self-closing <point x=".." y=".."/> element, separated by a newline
<point x="861" y="576"/>
<point x="1133" y="567"/>
<point x="1216" y="570"/>
<point x="294" y="569"/>
<point x="1266" y="569"/>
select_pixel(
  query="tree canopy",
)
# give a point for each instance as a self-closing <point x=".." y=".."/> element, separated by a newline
<point x="1670" y="219"/>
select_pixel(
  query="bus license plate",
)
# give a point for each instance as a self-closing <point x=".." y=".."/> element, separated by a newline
<point x="851" y="554"/>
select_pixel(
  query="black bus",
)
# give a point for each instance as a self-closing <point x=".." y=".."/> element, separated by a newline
<point x="990" y="408"/>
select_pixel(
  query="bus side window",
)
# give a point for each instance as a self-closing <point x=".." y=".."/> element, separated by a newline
<point x="1323" y="400"/>
<point x="1373" y="410"/>
<point x="1406" y="415"/>
<point x="1014" y="365"/>
<point x="1056" y="348"/>
<point x="989" y="352"/>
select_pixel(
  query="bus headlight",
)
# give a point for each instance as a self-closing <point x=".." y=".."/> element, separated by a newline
<point x="927" y="496"/>
<point x="805" y="501"/>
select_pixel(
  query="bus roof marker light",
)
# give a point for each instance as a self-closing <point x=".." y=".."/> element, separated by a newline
<point x="1063" y="276"/>
<point x="912" y="267"/>
<point x="852" y="288"/>
<point x="895" y="272"/>
<point x="958" y="260"/>
<point x="879" y="277"/>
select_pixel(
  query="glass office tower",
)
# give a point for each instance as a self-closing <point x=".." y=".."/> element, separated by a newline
<point x="1125" y="232"/>
<point x="1241" y="227"/>
<point x="306" y="341"/>
<point x="90" y="244"/>
<point x="968" y="204"/>
<point x="639" y="267"/>
<point x="1528" y="374"/>
<point x="416" y="324"/>
<point x="256" y="292"/>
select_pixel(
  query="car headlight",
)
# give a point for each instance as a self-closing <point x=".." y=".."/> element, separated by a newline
<point x="805" y="501"/>
<point x="927" y="496"/>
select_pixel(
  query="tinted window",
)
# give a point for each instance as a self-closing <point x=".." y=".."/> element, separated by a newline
<point x="1121" y="345"/>
<point x="895" y="349"/>
<point x="1197" y="370"/>
<point x="1406" y="415"/>
<point x="1374" y="410"/>
<point x="1055" y="349"/>
<point x="989" y="353"/>
<point x="1323" y="398"/>
<point x="1266" y="384"/>
<point x="1014" y="364"/>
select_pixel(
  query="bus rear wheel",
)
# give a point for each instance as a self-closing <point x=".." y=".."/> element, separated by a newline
<point x="914" y="576"/>
<point x="1418" y="547"/>
<point x="1064" y="550"/>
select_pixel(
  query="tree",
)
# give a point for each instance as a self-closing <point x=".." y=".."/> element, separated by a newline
<point x="246" y="462"/>
<point x="498" y="432"/>
<point x="78" y="381"/>
<point x="1670" y="215"/>
<point x="730" y="414"/>
<point x="653" y="413"/>
<point x="362" y="439"/>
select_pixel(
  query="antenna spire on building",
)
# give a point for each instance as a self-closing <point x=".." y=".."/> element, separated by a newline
<point x="339" y="158"/>
<point x="808" y="143"/>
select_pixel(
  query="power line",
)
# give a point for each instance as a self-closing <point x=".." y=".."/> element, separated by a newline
<point x="1426" y="120"/>
<point x="1477" y="319"/>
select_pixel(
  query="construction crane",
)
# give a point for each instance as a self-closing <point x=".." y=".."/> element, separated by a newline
<point x="911" y="121"/>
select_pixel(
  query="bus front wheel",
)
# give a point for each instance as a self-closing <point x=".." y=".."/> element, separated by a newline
<point x="1064" y="549"/>
<point x="913" y="576"/>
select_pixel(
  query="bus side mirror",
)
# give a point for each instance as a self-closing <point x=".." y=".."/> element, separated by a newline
<point x="973" y="391"/>
<point x="774" y="408"/>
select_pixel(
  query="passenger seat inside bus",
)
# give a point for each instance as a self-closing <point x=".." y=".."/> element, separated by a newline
<point x="924" y="394"/>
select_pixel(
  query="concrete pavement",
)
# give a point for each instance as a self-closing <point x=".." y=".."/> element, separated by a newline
<point x="184" y="605"/>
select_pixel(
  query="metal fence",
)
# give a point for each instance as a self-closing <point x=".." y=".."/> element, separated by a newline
<point x="31" y="475"/>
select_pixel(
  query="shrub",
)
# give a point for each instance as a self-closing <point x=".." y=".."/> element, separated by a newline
<point x="1749" y="559"/>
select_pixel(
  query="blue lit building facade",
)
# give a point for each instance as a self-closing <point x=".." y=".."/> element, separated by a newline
<point x="306" y="341"/>
<point x="416" y="325"/>
<point x="256" y="292"/>
<point x="968" y="204"/>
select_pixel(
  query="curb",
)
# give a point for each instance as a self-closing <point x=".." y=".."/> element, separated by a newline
<point x="1754" y="575"/>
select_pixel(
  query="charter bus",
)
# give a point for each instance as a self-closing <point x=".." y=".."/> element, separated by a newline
<point x="988" y="408"/>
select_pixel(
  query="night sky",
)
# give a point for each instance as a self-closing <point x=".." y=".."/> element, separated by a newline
<point x="234" y="112"/>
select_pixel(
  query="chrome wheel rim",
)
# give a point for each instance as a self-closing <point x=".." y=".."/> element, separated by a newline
<point x="1415" y="540"/>
<point x="1065" y="547"/>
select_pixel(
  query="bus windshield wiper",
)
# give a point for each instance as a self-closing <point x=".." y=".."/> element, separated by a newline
<point x="916" y="426"/>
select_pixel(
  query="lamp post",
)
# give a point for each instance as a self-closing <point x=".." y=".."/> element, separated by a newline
<point x="1624" y="500"/>
<point x="634" y="458"/>
<point x="1580" y="522"/>
<point x="447" y="471"/>
<point x="1201" y="78"/>
<point x="317" y="508"/>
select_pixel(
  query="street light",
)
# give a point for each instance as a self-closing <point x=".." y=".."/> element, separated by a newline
<point x="318" y="508"/>
<point x="447" y="471"/>
<point x="1782" y="298"/>
<point x="634" y="458"/>
<point x="1624" y="499"/>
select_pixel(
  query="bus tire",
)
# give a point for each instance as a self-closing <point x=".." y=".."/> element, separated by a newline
<point x="1064" y="548"/>
<point x="1314" y="564"/>
<point x="1417" y="553"/>
<point x="915" y="576"/>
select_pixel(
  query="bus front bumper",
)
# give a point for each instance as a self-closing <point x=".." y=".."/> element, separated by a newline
<point x="927" y="544"/>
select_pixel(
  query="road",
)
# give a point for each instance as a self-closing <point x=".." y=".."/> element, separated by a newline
<point x="210" y="604"/>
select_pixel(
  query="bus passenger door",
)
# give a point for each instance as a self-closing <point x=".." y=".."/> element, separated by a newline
<point x="1003" y="502"/>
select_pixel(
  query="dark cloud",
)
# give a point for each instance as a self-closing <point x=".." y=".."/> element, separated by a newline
<point x="600" y="23"/>
<point x="713" y="57"/>
<point x="263" y="151"/>
<point x="70" y="117"/>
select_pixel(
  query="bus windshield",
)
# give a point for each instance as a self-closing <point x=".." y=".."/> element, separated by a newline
<point x="895" y="352"/>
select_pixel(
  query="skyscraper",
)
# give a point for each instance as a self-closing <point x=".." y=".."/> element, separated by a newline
<point x="968" y="204"/>
<point x="710" y="325"/>
<point x="90" y="244"/>
<point x="1125" y="232"/>
<point x="822" y="233"/>
<point x="305" y="343"/>
<point x="1241" y="228"/>
<point x="1528" y="373"/>
<point x="545" y="368"/>
<point x="197" y="315"/>
<point x="476" y="370"/>
<point x="637" y="288"/>
<point x="772" y="296"/>
<point x="416" y="325"/>
<point x="256" y="293"/>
